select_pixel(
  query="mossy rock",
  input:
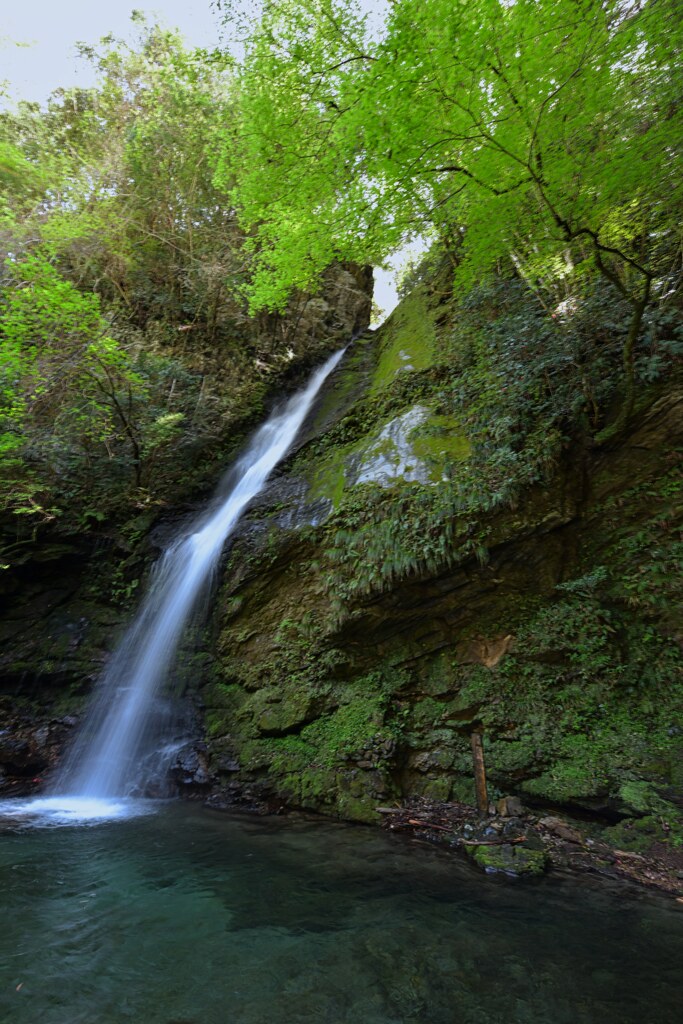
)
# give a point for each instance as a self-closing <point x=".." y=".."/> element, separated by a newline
<point x="509" y="859"/>
<point x="361" y="809"/>
<point x="408" y="340"/>
<point x="637" y="835"/>
<point x="350" y="796"/>
<point x="439" y="442"/>
<point x="462" y="791"/>
<point x="311" y="788"/>
<point x="281" y="718"/>
<point x="437" y="789"/>
<point x="640" y="797"/>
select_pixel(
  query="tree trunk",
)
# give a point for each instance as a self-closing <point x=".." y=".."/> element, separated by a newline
<point x="628" y="361"/>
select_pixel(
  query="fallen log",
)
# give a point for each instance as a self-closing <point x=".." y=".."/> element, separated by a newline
<point x="492" y="842"/>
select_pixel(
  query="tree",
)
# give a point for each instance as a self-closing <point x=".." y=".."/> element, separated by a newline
<point x="545" y="131"/>
<point x="65" y="386"/>
<point x="122" y="192"/>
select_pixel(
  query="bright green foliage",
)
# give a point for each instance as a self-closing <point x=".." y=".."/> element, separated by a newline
<point x="545" y="134"/>
<point x="61" y="378"/>
<point x="534" y="125"/>
<point x="44" y="305"/>
<point x="126" y="179"/>
<point x="135" y="341"/>
<point x="18" y="175"/>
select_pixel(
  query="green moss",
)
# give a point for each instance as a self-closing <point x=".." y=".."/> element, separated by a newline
<point x="310" y="787"/>
<point x="570" y="780"/>
<point x="437" y="444"/>
<point x="289" y="754"/>
<point x="329" y="479"/>
<point x="319" y="788"/>
<point x="358" y="808"/>
<point x="637" y="835"/>
<point x="408" y="340"/>
<point x="216" y="723"/>
<point x="427" y="713"/>
<point x="440" y="442"/>
<point x="510" y="860"/>
<point x="641" y="797"/>
<point x="436" y="789"/>
<point x="436" y="674"/>
<point x="260" y="753"/>
<point x="222" y="703"/>
<point x="278" y="710"/>
<point x="348" y="729"/>
<point x="580" y="708"/>
<point x="350" y="379"/>
<point x="462" y="791"/>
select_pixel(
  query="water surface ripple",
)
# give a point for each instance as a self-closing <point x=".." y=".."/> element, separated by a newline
<point x="192" y="917"/>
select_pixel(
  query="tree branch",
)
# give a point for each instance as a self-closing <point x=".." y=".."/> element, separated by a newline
<point x="456" y="169"/>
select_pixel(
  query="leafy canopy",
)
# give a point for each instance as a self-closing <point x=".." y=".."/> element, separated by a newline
<point x="548" y="131"/>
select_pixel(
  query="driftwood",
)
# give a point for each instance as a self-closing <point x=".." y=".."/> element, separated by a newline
<point x="492" y="842"/>
<point x="428" y="824"/>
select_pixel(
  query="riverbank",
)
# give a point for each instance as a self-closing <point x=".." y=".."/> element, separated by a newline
<point x="513" y="842"/>
<point x="517" y="842"/>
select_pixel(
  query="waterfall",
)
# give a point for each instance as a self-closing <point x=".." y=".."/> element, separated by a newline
<point x="118" y="735"/>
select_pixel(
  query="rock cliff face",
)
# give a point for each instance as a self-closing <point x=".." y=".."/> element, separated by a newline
<point x="59" y="623"/>
<point x="338" y="311"/>
<point x="368" y="621"/>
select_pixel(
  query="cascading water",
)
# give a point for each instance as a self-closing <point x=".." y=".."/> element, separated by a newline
<point x="117" y="736"/>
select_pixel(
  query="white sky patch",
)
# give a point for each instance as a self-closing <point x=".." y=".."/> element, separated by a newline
<point x="49" y="31"/>
<point x="376" y="11"/>
<point x="386" y="294"/>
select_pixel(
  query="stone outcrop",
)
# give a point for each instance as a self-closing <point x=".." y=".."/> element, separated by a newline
<point x="341" y="692"/>
<point x="400" y="663"/>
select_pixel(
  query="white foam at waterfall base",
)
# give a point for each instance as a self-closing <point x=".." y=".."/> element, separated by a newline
<point x="71" y="810"/>
<point x="120" y="750"/>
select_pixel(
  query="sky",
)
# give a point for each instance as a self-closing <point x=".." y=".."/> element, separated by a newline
<point x="46" y="59"/>
<point x="52" y="27"/>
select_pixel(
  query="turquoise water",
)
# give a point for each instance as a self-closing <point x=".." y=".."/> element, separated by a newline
<point x="188" y="916"/>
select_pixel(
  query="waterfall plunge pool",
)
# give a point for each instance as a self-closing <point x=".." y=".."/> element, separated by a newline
<point x="192" y="916"/>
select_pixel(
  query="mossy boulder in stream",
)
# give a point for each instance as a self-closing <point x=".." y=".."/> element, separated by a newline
<point x="509" y="860"/>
